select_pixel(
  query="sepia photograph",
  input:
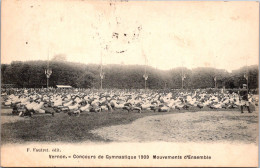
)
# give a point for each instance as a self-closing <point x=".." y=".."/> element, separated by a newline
<point x="129" y="83"/>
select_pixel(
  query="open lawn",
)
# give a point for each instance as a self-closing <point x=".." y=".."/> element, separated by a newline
<point x="178" y="126"/>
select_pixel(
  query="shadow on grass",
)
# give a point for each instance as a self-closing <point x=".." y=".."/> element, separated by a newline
<point x="8" y="114"/>
<point x="63" y="127"/>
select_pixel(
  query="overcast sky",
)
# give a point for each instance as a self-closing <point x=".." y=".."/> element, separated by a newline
<point x="169" y="34"/>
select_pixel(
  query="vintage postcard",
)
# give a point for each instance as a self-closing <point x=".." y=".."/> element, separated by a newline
<point x="121" y="83"/>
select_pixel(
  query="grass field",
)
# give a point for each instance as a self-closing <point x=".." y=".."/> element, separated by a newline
<point x="65" y="128"/>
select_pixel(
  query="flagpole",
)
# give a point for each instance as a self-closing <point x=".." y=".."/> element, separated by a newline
<point x="145" y="73"/>
<point x="215" y="77"/>
<point x="247" y="76"/>
<point x="101" y="73"/>
<point x="182" y="76"/>
<point x="145" y="79"/>
<point x="48" y="71"/>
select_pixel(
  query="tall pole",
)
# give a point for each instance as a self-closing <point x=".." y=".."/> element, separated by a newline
<point x="145" y="78"/>
<point x="145" y="73"/>
<point x="48" y="65"/>
<point x="247" y="76"/>
<point x="101" y="72"/>
<point x="215" y="80"/>
<point x="101" y="84"/>
<point x="182" y="77"/>
<point x="48" y="71"/>
<point x="215" y="60"/>
<point x="247" y="82"/>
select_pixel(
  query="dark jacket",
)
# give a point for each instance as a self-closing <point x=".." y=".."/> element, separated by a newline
<point x="243" y="94"/>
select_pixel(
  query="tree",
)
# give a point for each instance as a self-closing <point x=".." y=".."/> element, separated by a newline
<point x="59" y="58"/>
<point x="31" y="74"/>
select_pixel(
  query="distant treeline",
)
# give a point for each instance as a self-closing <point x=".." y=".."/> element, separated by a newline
<point x="31" y="74"/>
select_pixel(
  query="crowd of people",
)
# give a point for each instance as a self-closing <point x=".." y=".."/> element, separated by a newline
<point x="27" y="102"/>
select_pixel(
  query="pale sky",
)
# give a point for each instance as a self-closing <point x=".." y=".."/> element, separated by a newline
<point x="223" y="35"/>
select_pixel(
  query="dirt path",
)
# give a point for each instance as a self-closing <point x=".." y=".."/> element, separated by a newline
<point x="184" y="127"/>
